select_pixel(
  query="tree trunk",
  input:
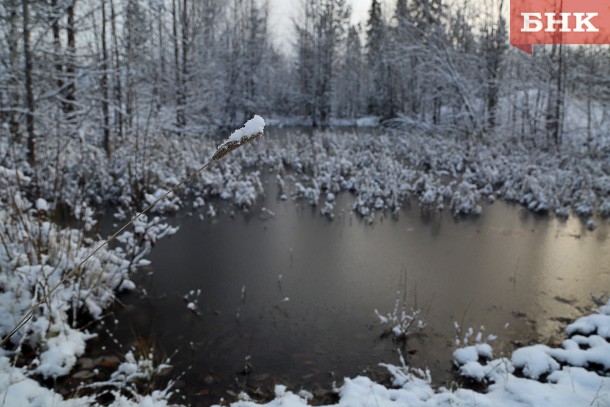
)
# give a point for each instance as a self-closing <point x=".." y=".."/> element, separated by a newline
<point x="59" y="68"/>
<point x="13" y="42"/>
<point x="559" y="101"/>
<point x="29" y="93"/>
<point x="178" y="84"/>
<point x="118" y="91"/>
<point x="70" y="104"/>
<point x="104" y="84"/>
<point x="129" y="59"/>
<point x="161" y="46"/>
<point x="555" y="100"/>
<point x="185" y="51"/>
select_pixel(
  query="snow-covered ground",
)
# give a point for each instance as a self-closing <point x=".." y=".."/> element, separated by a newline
<point x="18" y="389"/>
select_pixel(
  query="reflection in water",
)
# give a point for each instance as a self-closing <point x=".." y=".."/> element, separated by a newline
<point x="291" y="299"/>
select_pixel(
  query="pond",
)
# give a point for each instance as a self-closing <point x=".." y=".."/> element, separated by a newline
<point x="290" y="298"/>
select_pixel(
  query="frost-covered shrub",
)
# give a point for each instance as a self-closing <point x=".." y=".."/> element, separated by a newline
<point x="465" y="200"/>
<point x="37" y="256"/>
<point x="402" y="322"/>
<point x="383" y="171"/>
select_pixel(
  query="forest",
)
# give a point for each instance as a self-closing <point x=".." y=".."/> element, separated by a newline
<point x="111" y="112"/>
<point x="112" y="65"/>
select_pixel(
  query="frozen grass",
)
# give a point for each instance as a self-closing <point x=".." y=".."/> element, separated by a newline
<point x="402" y="321"/>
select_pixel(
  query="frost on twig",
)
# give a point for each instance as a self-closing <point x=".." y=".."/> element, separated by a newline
<point x="253" y="129"/>
<point x="402" y="322"/>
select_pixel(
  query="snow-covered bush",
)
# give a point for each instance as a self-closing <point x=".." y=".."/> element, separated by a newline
<point x="38" y="256"/>
<point x="383" y="171"/>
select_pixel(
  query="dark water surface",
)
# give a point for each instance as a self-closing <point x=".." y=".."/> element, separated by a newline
<point x="315" y="324"/>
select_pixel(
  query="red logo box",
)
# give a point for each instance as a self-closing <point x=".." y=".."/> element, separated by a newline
<point x="559" y="22"/>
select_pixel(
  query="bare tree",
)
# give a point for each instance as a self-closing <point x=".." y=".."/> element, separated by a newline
<point x="29" y="91"/>
<point x="104" y="84"/>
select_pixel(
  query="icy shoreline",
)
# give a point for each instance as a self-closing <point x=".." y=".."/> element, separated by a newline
<point x="382" y="171"/>
<point x="574" y="375"/>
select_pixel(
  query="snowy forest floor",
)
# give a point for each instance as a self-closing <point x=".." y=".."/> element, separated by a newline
<point x="381" y="169"/>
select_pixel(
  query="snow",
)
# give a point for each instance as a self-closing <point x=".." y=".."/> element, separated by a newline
<point x="475" y="371"/>
<point x="17" y="389"/>
<point x="584" y="351"/>
<point x="598" y="323"/>
<point x="168" y="204"/>
<point x="253" y="127"/>
<point x="402" y="322"/>
<point x="534" y="360"/>
<point x="42" y="205"/>
<point x="61" y="352"/>
<point x="364" y="121"/>
<point x="328" y="210"/>
<point x="566" y="388"/>
<point x="304" y="394"/>
<point x="36" y="255"/>
<point x="369" y="121"/>
<point x="14" y="175"/>
<point x="382" y="171"/>
<point x="472" y="353"/>
<point x="128" y="285"/>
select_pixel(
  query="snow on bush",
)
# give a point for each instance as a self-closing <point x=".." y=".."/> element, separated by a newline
<point x="37" y="255"/>
<point x="402" y="322"/>
<point x="599" y="324"/>
<point x="61" y="351"/>
<point x="17" y="389"/>
<point x="534" y="360"/>
<point x="382" y="171"/>
<point x="169" y="204"/>
<point x="472" y="353"/>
